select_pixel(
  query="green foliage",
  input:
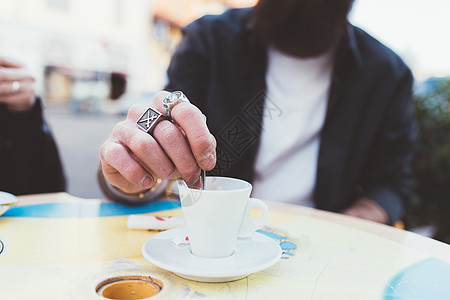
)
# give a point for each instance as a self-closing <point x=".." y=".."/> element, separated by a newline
<point x="431" y="163"/>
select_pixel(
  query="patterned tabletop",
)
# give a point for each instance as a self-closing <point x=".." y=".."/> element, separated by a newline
<point x="57" y="246"/>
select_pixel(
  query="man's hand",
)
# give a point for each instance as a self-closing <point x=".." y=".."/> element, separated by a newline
<point x="369" y="210"/>
<point x="133" y="160"/>
<point x="16" y="86"/>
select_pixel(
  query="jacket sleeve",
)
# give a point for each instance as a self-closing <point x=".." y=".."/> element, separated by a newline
<point x="189" y="67"/>
<point x="29" y="155"/>
<point x="387" y="180"/>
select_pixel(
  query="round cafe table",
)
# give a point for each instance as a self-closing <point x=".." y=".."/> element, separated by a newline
<point x="56" y="246"/>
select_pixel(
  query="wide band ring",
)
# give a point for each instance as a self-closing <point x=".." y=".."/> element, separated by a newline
<point x="171" y="100"/>
<point x="15" y="86"/>
<point x="149" y="119"/>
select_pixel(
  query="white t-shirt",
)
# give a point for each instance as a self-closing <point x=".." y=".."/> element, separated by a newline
<point x="286" y="163"/>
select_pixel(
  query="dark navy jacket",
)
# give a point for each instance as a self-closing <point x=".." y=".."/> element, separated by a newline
<point x="29" y="158"/>
<point x="367" y="138"/>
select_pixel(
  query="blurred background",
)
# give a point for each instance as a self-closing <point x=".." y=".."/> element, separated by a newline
<point x="94" y="58"/>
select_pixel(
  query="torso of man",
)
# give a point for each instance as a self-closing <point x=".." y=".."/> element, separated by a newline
<point x="286" y="163"/>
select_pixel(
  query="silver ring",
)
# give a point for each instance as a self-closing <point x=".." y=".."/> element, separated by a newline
<point x="149" y="119"/>
<point x="15" y="87"/>
<point x="171" y="100"/>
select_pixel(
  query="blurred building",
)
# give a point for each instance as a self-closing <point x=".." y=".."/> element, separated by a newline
<point x="76" y="49"/>
<point x="170" y="16"/>
<point x="84" y="52"/>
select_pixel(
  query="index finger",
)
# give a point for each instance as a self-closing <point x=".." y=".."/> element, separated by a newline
<point x="9" y="63"/>
<point x="192" y="121"/>
<point x="12" y="74"/>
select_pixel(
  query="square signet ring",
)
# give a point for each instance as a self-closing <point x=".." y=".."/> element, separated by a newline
<point x="149" y="119"/>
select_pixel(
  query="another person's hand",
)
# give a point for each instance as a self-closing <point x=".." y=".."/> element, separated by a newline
<point x="16" y="86"/>
<point x="132" y="160"/>
<point x="369" y="210"/>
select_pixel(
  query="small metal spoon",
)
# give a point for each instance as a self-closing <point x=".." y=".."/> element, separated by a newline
<point x="203" y="178"/>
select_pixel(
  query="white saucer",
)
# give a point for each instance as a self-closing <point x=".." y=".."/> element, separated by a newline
<point x="6" y="199"/>
<point x="254" y="253"/>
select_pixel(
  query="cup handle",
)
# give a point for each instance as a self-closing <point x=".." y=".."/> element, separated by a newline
<point x="250" y="224"/>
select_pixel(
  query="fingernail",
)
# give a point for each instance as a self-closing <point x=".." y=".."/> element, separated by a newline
<point x="208" y="161"/>
<point x="146" y="182"/>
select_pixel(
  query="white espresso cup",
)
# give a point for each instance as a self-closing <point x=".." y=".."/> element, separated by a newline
<point x="215" y="216"/>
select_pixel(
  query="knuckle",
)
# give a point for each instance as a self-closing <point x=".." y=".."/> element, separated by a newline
<point x="159" y="96"/>
<point x="188" y="111"/>
<point x="168" y="172"/>
<point x="138" y="143"/>
<point x="110" y="151"/>
<point x="167" y="132"/>
<point x="214" y="141"/>
<point x="135" y="110"/>
<point x="203" y="141"/>
<point x="119" y="128"/>
<point x="103" y="151"/>
<point x="202" y="144"/>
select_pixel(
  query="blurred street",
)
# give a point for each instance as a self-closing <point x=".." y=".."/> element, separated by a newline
<point x="79" y="137"/>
